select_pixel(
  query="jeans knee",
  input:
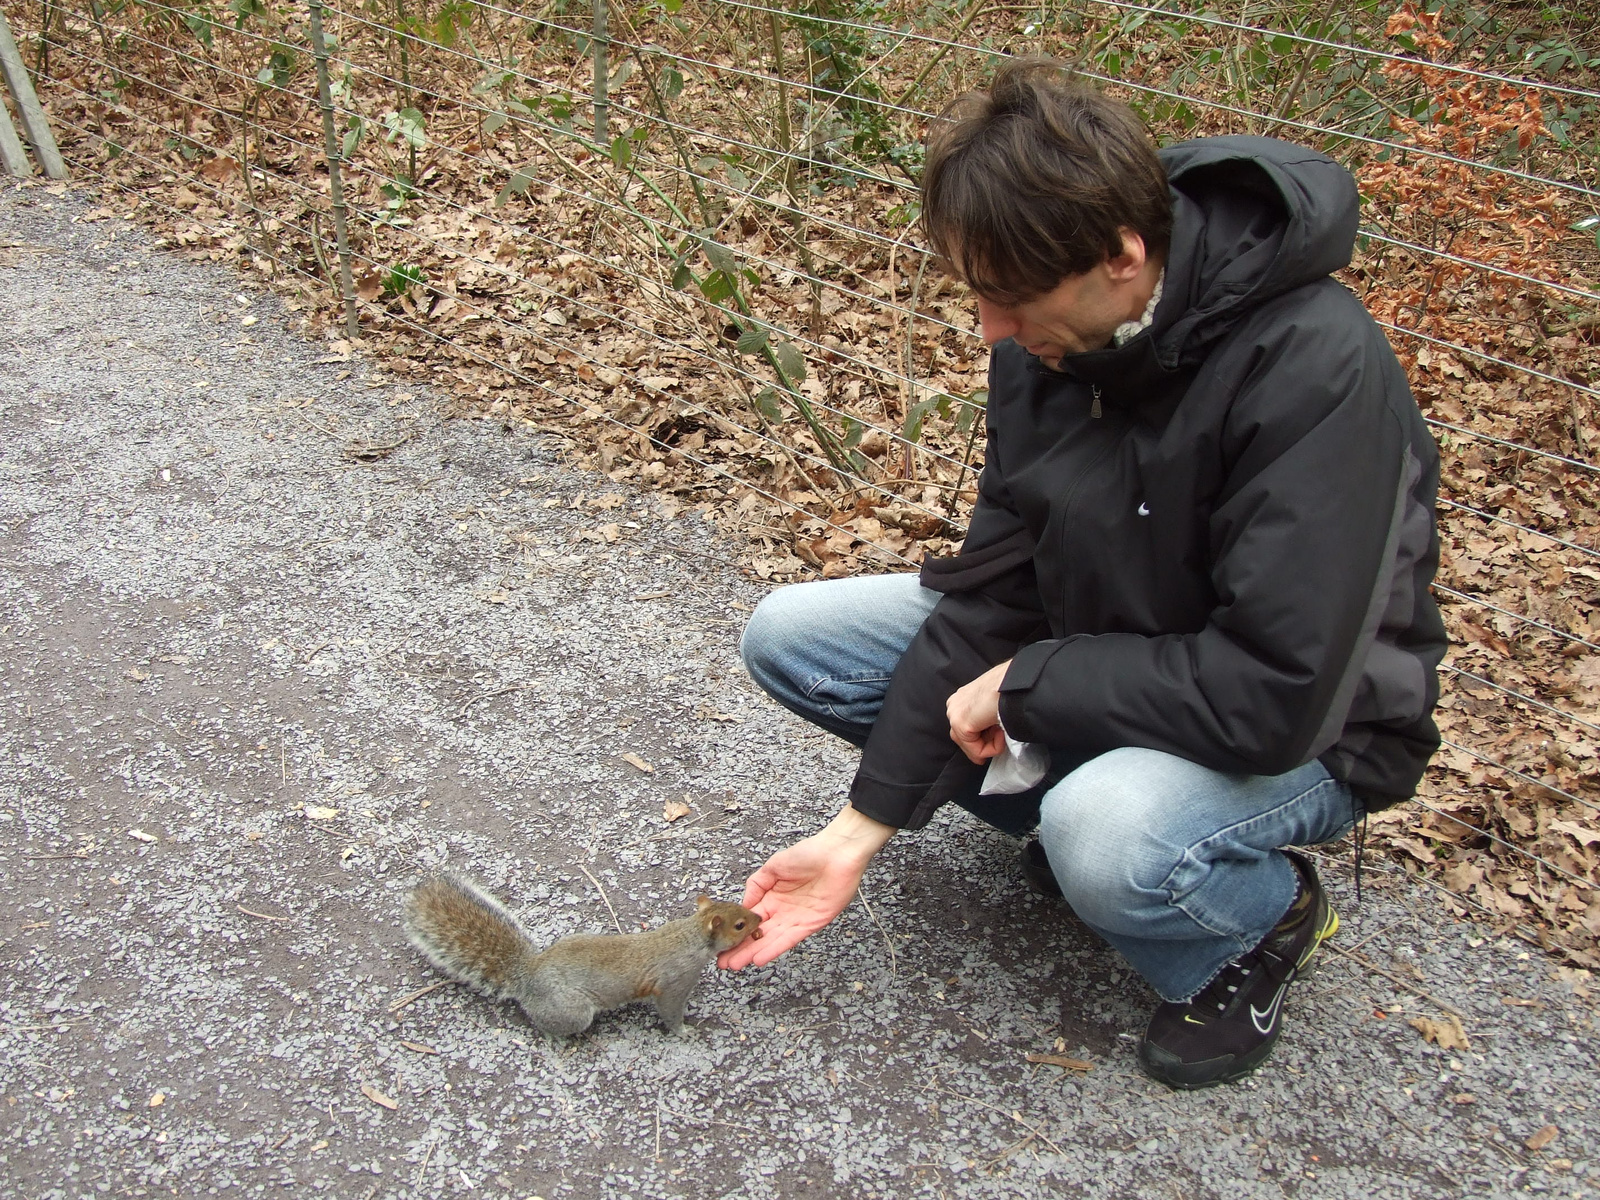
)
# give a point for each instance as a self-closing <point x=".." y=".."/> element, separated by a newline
<point x="761" y="646"/>
<point x="1100" y="828"/>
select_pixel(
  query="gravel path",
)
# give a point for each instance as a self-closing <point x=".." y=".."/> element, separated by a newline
<point x="219" y="622"/>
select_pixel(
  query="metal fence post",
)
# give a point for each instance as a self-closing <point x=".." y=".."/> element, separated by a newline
<point x="319" y="50"/>
<point x="599" y="43"/>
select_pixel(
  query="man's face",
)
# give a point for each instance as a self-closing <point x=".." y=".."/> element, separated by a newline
<point x="1079" y="314"/>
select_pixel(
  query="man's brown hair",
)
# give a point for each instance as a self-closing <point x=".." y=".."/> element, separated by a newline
<point x="1032" y="179"/>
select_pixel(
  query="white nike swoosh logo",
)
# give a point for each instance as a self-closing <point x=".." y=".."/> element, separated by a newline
<point x="1144" y="509"/>
<point x="1257" y="1016"/>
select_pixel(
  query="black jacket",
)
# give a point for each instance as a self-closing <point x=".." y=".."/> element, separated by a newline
<point x="1216" y="541"/>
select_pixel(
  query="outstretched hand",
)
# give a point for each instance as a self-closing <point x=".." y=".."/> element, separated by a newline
<point x="801" y="889"/>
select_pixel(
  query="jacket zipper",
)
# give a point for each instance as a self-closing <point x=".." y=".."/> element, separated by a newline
<point x="1094" y="407"/>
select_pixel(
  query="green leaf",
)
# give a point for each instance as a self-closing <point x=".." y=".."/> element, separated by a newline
<point x="622" y="150"/>
<point x="768" y="405"/>
<point x="352" y="135"/>
<point x="672" y="78"/>
<point x="911" y="430"/>
<point x="402" y="278"/>
<point x="490" y="81"/>
<point x="493" y="121"/>
<point x="752" y="340"/>
<point x="720" y="256"/>
<point x="718" y="286"/>
<point x="791" y="361"/>
<point x="517" y="184"/>
<point x="682" y="277"/>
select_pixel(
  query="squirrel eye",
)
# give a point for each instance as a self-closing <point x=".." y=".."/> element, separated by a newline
<point x="739" y="924"/>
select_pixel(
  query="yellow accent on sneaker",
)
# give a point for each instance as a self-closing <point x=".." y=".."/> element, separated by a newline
<point x="1329" y="928"/>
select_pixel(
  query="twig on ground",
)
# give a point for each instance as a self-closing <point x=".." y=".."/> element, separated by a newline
<point x="250" y="912"/>
<point x="894" y="969"/>
<point x="489" y="695"/>
<point x="1013" y="1116"/>
<point x="1392" y="977"/>
<point x="416" y="1183"/>
<point x="417" y="995"/>
<point x="603" y="896"/>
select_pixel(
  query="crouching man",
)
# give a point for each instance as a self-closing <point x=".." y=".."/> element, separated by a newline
<point x="1196" y="576"/>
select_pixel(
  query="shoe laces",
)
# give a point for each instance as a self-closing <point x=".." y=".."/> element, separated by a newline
<point x="1216" y="997"/>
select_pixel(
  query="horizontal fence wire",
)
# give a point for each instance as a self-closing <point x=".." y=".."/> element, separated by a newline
<point x="507" y="368"/>
<point x="1203" y="18"/>
<point x="532" y="330"/>
<point x="1586" y="551"/>
<point x="1201" y="101"/>
<point x="909" y="247"/>
<point x="1373" y="234"/>
<point x="676" y="164"/>
<point x="1522" y="697"/>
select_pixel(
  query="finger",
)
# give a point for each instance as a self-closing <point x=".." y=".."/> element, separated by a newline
<point x="758" y="885"/>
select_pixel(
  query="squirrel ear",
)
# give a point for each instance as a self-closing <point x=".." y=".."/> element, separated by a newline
<point x="702" y="902"/>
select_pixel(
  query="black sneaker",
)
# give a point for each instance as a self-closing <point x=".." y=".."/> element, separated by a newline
<point x="1036" y="869"/>
<point x="1228" y="1030"/>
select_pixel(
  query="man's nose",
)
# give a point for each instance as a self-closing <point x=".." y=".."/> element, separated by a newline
<point x="996" y="321"/>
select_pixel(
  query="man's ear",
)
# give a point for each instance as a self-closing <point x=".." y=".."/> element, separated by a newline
<point x="1125" y="267"/>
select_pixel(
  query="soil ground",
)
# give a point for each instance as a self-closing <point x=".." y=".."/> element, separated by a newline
<point x="276" y="640"/>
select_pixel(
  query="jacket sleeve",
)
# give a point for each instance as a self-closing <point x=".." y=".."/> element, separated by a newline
<point x="990" y="606"/>
<point x="1302" y="546"/>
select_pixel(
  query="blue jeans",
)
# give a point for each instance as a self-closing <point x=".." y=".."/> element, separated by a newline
<point x="1176" y="865"/>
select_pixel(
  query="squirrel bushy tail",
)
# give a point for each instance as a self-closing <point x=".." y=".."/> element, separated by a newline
<point x="470" y="936"/>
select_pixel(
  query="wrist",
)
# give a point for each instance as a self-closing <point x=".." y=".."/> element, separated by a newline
<point x="857" y="835"/>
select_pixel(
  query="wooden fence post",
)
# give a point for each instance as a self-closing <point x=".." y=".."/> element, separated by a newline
<point x="599" y="45"/>
<point x="29" y="109"/>
<point x="319" y="50"/>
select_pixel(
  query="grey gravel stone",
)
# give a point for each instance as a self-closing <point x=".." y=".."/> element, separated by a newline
<point x="215" y="622"/>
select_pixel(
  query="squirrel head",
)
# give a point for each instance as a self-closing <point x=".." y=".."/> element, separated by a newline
<point x="726" y="924"/>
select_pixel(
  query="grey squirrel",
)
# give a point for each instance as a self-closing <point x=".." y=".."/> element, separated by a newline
<point x="471" y="937"/>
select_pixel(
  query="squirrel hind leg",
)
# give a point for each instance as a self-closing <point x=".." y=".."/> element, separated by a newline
<point x="558" y="1014"/>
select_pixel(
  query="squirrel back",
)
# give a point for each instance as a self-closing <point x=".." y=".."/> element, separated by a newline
<point x="471" y="937"/>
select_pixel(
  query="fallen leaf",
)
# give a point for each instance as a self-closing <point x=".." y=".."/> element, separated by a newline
<point x="318" y="812"/>
<point x="1446" y="1032"/>
<point x="673" y="809"/>
<point x="1538" y="1141"/>
<point x="1463" y="1098"/>
<point x="377" y="1097"/>
<point x="419" y="1047"/>
<point x="1062" y="1061"/>
<point x="1584" y="835"/>
<point x="135" y="674"/>
<point x="636" y="761"/>
<point x="140" y="835"/>
<point x="160" y="1098"/>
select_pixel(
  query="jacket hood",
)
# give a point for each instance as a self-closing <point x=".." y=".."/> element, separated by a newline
<point x="1252" y="218"/>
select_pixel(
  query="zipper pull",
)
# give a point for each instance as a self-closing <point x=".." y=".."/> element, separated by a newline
<point x="1094" y="408"/>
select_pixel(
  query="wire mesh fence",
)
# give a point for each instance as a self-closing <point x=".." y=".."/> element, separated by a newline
<point x="686" y="234"/>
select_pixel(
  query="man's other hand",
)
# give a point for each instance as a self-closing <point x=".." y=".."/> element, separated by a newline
<point x="974" y="714"/>
<point x="801" y="889"/>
